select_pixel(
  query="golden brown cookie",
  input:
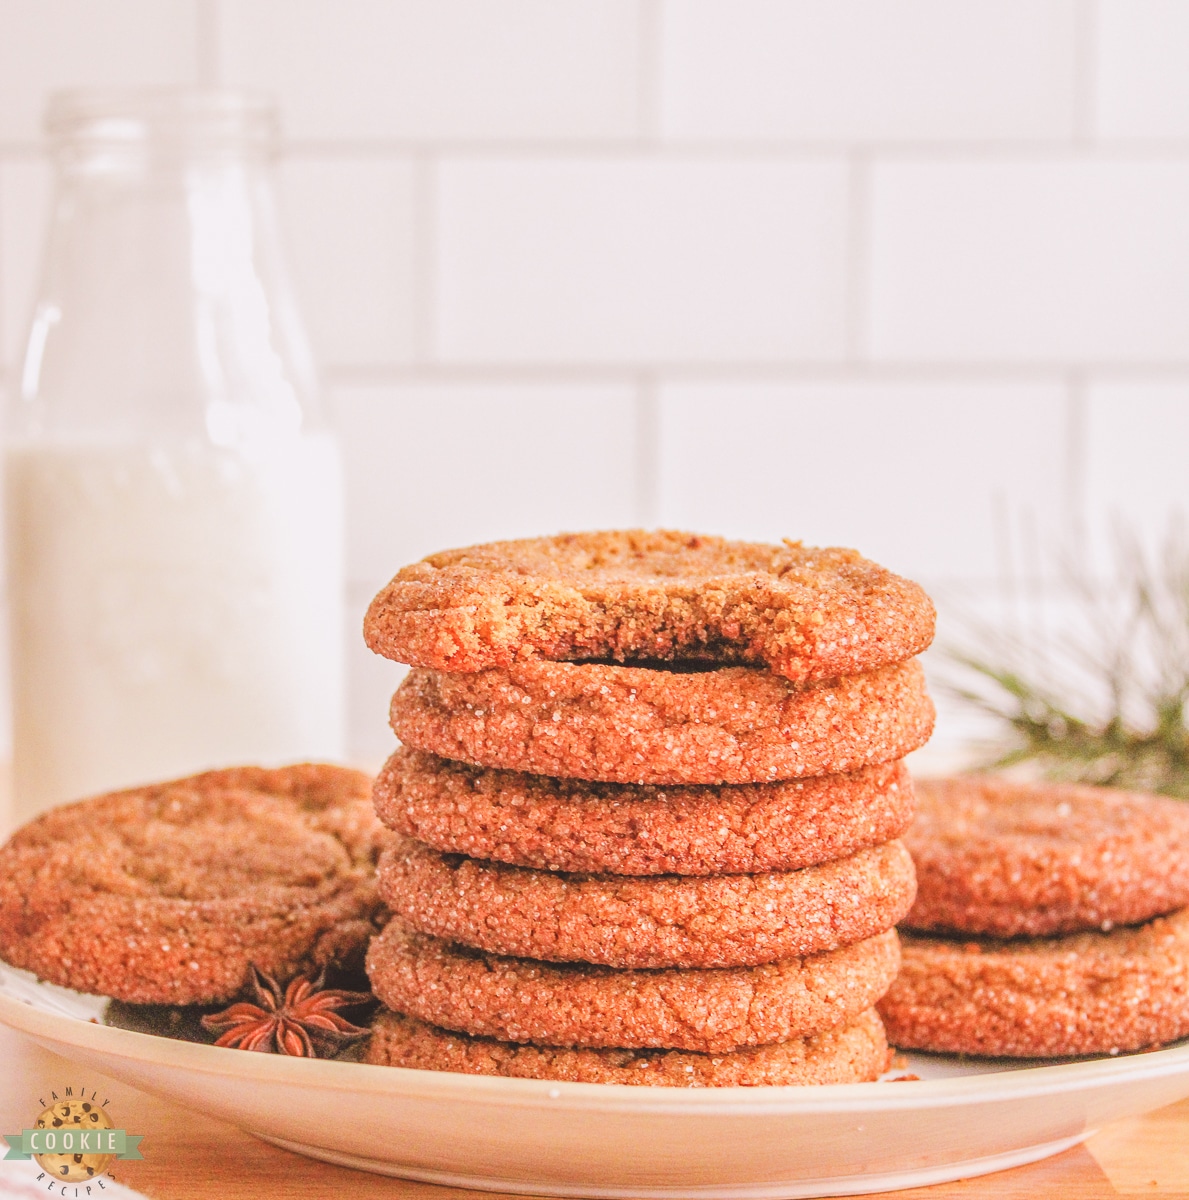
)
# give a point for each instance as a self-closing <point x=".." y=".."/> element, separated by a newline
<point x="857" y="1053"/>
<point x="804" y="612"/>
<point x="1083" y="993"/>
<point x="164" y="894"/>
<point x="552" y="1004"/>
<point x="579" y="825"/>
<point x="645" y="726"/>
<point x="648" y="921"/>
<point x="1004" y="859"/>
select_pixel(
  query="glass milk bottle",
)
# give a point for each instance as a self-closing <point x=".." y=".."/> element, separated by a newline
<point x="173" y="499"/>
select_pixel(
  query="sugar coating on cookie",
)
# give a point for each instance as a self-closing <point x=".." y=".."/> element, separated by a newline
<point x="164" y="894"/>
<point x="1006" y="859"/>
<point x="648" y="921"/>
<point x="580" y="825"/>
<point x="857" y="1053"/>
<point x="520" y="1000"/>
<point x="1081" y="993"/>
<point x="804" y="612"/>
<point x="645" y="726"/>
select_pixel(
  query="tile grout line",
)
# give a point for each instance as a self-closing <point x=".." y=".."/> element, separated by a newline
<point x="424" y="281"/>
<point x="206" y="42"/>
<point x="1076" y="444"/>
<point x="648" y="71"/>
<point x="744" y="372"/>
<point x="4" y="268"/>
<point x="728" y="151"/>
<point x="858" y="254"/>
<point x="647" y="451"/>
<point x="1085" y="73"/>
<point x="1118" y="150"/>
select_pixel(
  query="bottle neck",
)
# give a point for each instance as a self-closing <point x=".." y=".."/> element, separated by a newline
<point x="165" y="305"/>
<point x="163" y="126"/>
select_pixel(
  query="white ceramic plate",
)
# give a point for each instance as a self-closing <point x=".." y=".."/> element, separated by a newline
<point x="575" y="1139"/>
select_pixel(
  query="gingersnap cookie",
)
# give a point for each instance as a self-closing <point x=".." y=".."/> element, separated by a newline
<point x="803" y="612"/>
<point x="580" y="825"/>
<point x="164" y="894"/>
<point x="857" y="1053"/>
<point x="1083" y="993"/>
<point x="648" y="921"/>
<point x="1004" y="859"/>
<point x="639" y="725"/>
<point x="568" y="1004"/>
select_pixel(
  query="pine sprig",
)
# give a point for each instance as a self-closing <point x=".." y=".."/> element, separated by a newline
<point x="1104" y="700"/>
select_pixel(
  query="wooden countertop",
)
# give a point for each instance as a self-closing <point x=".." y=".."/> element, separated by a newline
<point x="192" y="1157"/>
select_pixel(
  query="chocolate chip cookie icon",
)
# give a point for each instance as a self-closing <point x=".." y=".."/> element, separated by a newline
<point x="70" y="1122"/>
<point x="73" y="1139"/>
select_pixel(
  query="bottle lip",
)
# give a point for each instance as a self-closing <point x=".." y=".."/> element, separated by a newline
<point x="188" y="118"/>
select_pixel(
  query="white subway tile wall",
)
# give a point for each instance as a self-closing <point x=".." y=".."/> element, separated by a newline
<point x="457" y="463"/>
<point x="637" y="261"/>
<point x="911" y="275"/>
<point x="352" y="235"/>
<point x="427" y="70"/>
<point x="46" y="44"/>
<point x="915" y="473"/>
<point x="1136" y="459"/>
<point x="865" y="71"/>
<point x="1019" y="261"/>
<point x="1142" y="87"/>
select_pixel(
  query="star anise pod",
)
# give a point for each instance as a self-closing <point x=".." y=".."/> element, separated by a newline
<point x="303" y="1021"/>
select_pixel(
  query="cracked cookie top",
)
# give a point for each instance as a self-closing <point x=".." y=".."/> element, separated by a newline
<point x="1005" y="858"/>
<point x="164" y="894"/>
<point x="632" y="595"/>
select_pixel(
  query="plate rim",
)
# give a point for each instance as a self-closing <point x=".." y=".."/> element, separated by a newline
<point x="82" y="1034"/>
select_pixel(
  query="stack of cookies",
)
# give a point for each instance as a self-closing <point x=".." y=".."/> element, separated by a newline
<point x="648" y="796"/>
<point x="1050" y="921"/>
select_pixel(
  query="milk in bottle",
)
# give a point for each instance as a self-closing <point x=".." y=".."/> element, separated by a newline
<point x="173" y="498"/>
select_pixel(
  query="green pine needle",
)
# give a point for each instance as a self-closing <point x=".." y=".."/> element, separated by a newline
<point x="1047" y="694"/>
